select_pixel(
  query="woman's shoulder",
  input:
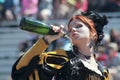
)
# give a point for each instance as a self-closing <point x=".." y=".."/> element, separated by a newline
<point x="54" y="59"/>
<point x="60" y="53"/>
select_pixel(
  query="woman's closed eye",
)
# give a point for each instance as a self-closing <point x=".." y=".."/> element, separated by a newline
<point x="79" y="26"/>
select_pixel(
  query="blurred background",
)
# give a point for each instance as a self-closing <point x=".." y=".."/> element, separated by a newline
<point x="14" y="41"/>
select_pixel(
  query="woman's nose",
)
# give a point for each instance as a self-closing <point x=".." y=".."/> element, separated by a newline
<point x="73" y="29"/>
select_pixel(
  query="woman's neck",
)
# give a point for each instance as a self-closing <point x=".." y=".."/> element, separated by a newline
<point x="85" y="51"/>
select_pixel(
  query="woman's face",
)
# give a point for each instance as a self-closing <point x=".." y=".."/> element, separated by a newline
<point x="79" y="33"/>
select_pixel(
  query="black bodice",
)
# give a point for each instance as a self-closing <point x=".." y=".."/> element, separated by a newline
<point x="75" y="70"/>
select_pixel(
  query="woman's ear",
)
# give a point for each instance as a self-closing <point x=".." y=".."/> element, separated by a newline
<point x="92" y="43"/>
<point x="93" y="36"/>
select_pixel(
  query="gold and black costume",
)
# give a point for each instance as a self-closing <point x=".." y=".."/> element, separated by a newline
<point x="36" y="64"/>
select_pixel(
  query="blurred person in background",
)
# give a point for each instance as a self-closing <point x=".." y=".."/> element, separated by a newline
<point x="93" y="5"/>
<point x="85" y="31"/>
<point x="80" y="6"/>
<point x="103" y="5"/>
<point x="17" y="9"/>
<point x="24" y="45"/>
<point x="111" y="6"/>
<point x="29" y="8"/>
<point x="1" y="9"/>
<point x="113" y="60"/>
<point x="8" y="10"/>
<point x="45" y="9"/>
<point x="55" y="6"/>
<point x="67" y="8"/>
<point x="64" y="10"/>
<point x="119" y="47"/>
<point x="102" y="57"/>
<point x="113" y="57"/>
<point x="114" y="35"/>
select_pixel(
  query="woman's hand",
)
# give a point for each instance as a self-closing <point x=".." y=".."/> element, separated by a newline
<point x="51" y="38"/>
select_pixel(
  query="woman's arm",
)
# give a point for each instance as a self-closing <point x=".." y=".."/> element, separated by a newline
<point x="27" y="63"/>
<point x="23" y="68"/>
<point x="37" y="49"/>
<point x="26" y="71"/>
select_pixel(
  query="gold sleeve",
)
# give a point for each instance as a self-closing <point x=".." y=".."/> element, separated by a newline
<point x="107" y="74"/>
<point x="37" y="49"/>
<point x="54" y="59"/>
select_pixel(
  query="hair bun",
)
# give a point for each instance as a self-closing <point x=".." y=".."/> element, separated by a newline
<point x="99" y="21"/>
<point x="105" y="21"/>
<point x="96" y="18"/>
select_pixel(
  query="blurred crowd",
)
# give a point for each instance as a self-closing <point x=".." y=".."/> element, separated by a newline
<point x="53" y="9"/>
<point x="108" y="53"/>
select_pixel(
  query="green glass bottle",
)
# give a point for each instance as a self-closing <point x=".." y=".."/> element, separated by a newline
<point x="36" y="26"/>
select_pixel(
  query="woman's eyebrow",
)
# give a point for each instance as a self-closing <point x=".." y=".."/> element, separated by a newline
<point x="74" y="23"/>
<point x="78" y="22"/>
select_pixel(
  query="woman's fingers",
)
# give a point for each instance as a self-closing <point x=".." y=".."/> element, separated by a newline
<point x="57" y="28"/>
<point x="60" y="31"/>
<point x="61" y="26"/>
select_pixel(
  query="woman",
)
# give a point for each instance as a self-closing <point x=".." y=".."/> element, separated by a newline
<point x="85" y="32"/>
